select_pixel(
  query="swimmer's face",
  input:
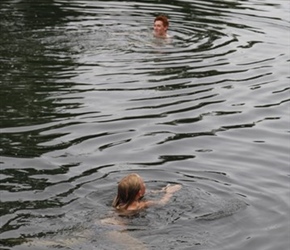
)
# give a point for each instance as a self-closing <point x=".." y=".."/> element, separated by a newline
<point x="159" y="29"/>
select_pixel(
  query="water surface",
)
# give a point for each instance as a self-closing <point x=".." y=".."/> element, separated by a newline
<point x="89" y="96"/>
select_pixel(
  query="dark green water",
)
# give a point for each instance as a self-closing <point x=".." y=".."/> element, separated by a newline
<point x="88" y="96"/>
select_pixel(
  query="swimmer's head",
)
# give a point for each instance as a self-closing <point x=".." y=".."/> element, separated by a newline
<point x="131" y="188"/>
<point x="161" y="24"/>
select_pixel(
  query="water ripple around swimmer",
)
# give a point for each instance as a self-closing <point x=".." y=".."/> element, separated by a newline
<point x="98" y="97"/>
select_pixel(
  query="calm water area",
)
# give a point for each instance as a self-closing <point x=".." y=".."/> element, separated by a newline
<point x="88" y="95"/>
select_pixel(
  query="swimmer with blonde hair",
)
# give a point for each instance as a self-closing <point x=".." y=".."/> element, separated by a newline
<point x="131" y="190"/>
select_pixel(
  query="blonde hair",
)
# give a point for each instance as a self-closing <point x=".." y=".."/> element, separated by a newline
<point x="128" y="188"/>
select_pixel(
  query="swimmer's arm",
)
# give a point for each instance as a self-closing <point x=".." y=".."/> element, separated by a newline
<point x="169" y="190"/>
<point x="156" y="191"/>
<point x="162" y="190"/>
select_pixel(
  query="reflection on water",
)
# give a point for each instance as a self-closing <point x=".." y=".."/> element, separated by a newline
<point x="88" y="95"/>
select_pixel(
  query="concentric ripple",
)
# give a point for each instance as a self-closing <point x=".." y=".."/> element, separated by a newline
<point x="88" y="95"/>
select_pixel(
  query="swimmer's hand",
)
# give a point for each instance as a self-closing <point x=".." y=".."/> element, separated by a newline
<point x="170" y="189"/>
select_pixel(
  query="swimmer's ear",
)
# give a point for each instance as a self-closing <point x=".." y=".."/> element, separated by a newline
<point x="139" y="194"/>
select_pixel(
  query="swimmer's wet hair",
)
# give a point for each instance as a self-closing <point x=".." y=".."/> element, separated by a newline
<point x="128" y="188"/>
<point x="163" y="19"/>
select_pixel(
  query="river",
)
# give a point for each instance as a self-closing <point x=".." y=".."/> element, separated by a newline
<point x="88" y="95"/>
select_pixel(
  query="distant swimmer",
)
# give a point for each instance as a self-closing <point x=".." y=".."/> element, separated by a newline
<point x="161" y="25"/>
<point x="131" y="190"/>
